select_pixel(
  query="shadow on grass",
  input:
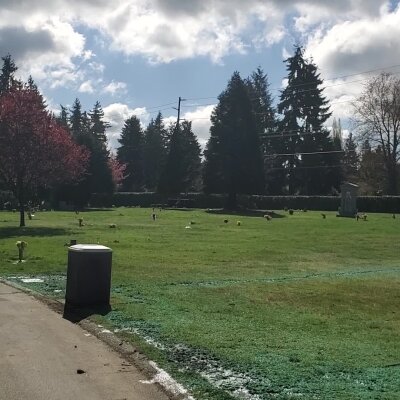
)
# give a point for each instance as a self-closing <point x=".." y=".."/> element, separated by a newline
<point x="178" y="209"/>
<point x="96" y="209"/>
<point x="32" y="232"/>
<point x="77" y="314"/>
<point x="245" y="212"/>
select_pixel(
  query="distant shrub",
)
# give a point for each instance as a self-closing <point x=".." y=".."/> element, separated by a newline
<point x="291" y="211"/>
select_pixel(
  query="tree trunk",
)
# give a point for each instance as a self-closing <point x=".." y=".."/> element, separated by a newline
<point x="21" y="200"/>
<point x="21" y="214"/>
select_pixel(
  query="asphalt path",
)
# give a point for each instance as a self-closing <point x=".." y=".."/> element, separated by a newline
<point x="43" y="356"/>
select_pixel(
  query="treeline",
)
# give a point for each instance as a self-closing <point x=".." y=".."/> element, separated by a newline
<point x="104" y="173"/>
<point x="254" y="147"/>
<point x="159" y="158"/>
<point x="257" y="145"/>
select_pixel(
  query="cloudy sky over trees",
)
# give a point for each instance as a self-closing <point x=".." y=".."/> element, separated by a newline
<point x="138" y="56"/>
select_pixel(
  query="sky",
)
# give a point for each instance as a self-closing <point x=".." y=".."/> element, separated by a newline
<point x="138" y="56"/>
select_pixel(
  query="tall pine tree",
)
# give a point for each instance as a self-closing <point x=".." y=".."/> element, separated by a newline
<point x="233" y="160"/>
<point x="130" y="153"/>
<point x="155" y="152"/>
<point x="98" y="125"/>
<point x="264" y="113"/>
<point x="101" y="180"/>
<point x="75" y="120"/>
<point x="310" y="161"/>
<point x="7" y="75"/>
<point x="182" y="168"/>
<point x="350" y="160"/>
<point x="88" y="129"/>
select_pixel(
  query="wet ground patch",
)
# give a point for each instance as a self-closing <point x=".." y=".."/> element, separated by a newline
<point x="48" y="285"/>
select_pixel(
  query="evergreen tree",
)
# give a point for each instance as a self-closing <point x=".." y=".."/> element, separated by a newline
<point x="63" y="118"/>
<point x="264" y="113"/>
<point x="154" y="152"/>
<point x="130" y="153"/>
<point x="182" y="168"/>
<point x="192" y="157"/>
<point x="88" y="130"/>
<point x="350" y="160"/>
<point x="233" y="160"/>
<point x="261" y="101"/>
<point x="75" y="119"/>
<point x="98" y="125"/>
<point x="7" y="78"/>
<point x="305" y="110"/>
<point x="101" y="180"/>
<point x="31" y="85"/>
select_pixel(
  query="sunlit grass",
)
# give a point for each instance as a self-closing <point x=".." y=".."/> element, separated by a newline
<point x="303" y="305"/>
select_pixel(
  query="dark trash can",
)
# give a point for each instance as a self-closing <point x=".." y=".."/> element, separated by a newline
<point x="88" y="275"/>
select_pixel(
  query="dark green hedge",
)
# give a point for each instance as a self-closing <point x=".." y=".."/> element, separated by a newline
<point x="381" y="204"/>
<point x="389" y="204"/>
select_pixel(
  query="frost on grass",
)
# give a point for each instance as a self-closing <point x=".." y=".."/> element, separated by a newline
<point x="164" y="379"/>
<point x="49" y="285"/>
<point x="235" y="383"/>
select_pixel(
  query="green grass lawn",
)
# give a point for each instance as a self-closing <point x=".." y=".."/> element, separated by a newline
<point x="296" y="307"/>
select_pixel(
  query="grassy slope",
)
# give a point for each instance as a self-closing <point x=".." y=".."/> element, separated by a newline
<point x="299" y="304"/>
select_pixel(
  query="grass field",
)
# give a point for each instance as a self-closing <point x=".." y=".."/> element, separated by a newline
<point x="296" y="307"/>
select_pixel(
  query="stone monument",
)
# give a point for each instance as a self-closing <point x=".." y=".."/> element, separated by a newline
<point x="348" y="203"/>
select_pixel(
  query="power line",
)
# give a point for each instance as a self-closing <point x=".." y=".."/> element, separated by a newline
<point x="278" y="88"/>
<point x="283" y="134"/>
<point x="306" y="153"/>
<point x="328" y="79"/>
<point x="160" y="106"/>
<point x="152" y="112"/>
<point x="310" y="167"/>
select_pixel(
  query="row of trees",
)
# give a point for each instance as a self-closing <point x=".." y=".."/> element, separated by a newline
<point x="36" y="152"/>
<point x="250" y="150"/>
<point x="300" y="155"/>
<point x="254" y="147"/>
<point x="104" y="172"/>
<point x="257" y="148"/>
<point x="159" y="158"/>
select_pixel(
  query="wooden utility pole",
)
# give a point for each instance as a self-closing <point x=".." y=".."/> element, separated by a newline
<point x="179" y="111"/>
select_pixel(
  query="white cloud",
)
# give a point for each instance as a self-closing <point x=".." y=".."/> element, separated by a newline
<point x="354" y="46"/>
<point x="351" y="47"/>
<point x="44" y="49"/>
<point x="163" y="30"/>
<point x="86" y="87"/>
<point x="343" y="36"/>
<point x="96" y="67"/>
<point x="115" y="88"/>
<point x="87" y="55"/>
